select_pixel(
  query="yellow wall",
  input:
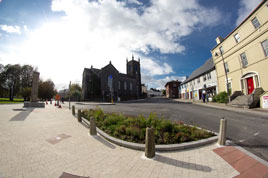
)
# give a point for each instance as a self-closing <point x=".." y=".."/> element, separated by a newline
<point x="250" y="43"/>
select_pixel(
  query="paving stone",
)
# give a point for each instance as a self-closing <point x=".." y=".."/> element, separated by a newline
<point x="25" y="148"/>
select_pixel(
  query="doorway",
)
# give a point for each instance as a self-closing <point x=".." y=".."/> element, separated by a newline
<point x="250" y="84"/>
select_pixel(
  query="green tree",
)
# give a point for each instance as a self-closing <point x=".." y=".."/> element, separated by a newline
<point x="76" y="91"/>
<point x="11" y="77"/>
<point x="46" y="89"/>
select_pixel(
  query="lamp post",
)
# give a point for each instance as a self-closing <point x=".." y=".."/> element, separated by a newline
<point x="226" y="75"/>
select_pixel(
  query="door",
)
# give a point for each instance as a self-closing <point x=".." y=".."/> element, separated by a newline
<point x="250" y="85"/>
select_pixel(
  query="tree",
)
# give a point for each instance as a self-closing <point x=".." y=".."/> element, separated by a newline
<point x="46" y="89"/>
<point x="12" y="79"/>
<point x="76" y="91"/>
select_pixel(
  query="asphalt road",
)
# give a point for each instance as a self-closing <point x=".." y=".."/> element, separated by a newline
<point x="246" y="130"/>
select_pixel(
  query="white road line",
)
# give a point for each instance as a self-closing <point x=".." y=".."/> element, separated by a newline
<point x="256" y="133"/>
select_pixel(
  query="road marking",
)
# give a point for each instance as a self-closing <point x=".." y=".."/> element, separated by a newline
<point x="242" y="140"/>
<point x="256" y="133"/>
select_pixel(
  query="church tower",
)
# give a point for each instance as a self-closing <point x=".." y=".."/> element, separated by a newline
<point x="133" y="69"/>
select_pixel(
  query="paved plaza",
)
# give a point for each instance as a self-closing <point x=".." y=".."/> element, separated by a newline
<point x="45" y="142"/>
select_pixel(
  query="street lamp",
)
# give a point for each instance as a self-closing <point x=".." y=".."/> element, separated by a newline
<point x="226" y="75"/>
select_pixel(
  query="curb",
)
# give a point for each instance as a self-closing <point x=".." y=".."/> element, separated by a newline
<point x="167" y="147"/>
<point x="234" y="109"/>
<point x="95" y="103"/>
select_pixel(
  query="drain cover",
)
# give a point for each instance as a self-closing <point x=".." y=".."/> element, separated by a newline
<point x="57" y="139"/>
<point x="67" y="175"/>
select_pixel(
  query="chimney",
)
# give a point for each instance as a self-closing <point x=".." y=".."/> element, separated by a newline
<point x="110" y="62"/>
<point x="219" y="39"/>
<point x="132" y="57"/>
<point x="127" y="60"/>
<point x="91" y="66"/>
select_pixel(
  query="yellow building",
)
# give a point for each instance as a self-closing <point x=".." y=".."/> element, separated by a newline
<point x="241" y="58"/>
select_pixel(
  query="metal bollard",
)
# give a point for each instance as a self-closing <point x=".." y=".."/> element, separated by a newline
<point x="79" y="117"/>
<point x="149" y="143"/>
<point x="222" y="132"/>
<point x="73" y="110"/>
<point x="92" y="128"/>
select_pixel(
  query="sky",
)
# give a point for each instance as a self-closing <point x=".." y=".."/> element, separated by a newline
<point x="172" y="38"/>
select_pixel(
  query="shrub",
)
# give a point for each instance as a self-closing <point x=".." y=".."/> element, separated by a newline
<point x="222" y="97"/>
<point x="133" y="129"/>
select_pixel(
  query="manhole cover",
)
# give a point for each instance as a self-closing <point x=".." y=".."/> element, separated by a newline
<point x="22" y="109"/>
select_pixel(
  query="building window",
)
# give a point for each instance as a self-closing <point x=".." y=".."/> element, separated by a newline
<point x="244" y="59"/>
<point x="226" y="67"/>
<point x="130" y="85"/>
<point x="198" y="80"/>
<point x="209" y="76"/>
<point x="119" y="85"/>
<point x="136" y="67"/>
<point x="221" y="50"/>
<point x="237" y="38"/>
<point x="265" y="47"/>
<point x="129" y="68"/>
<point x="255" y="22"/>
<point x="204" y="77"/>
<point x="125" y="85"/>
<point x="194" y="82"/>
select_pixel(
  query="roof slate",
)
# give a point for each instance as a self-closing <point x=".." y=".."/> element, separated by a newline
<point x="208" y="66"/>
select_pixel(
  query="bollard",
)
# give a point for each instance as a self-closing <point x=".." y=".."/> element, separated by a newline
<point x="73" y="110"/>
<point x="149" y="143"/>
<point x="79" y="117"/>
<point x="92" y="128"/>
<point x="222" y="132"/>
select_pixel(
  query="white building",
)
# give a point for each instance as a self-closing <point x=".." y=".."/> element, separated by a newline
<point x="202" y="79"/>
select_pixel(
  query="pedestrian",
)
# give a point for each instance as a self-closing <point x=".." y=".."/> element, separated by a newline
<point x="62" y="100"/>
<point x="204" y="96"/>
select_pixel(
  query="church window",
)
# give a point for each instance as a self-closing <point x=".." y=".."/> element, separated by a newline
<point x="125" y="85"/>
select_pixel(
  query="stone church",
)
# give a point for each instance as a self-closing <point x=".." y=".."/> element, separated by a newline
<point x="108" y="82"/>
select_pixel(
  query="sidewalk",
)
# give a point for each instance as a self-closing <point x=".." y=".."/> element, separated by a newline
<point x="256" y="111"/>
<point x="45" y="142"/>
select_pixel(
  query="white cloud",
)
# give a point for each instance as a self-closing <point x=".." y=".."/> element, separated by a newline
<point x="154" y="67"/>
<point x="160" y="83"/>
<point x="134" y="2"/>
<point x="245" y="8"/>
<point x="95" y="32"/>
<point x="25" y="28"/>
<point x="10" y="29"/>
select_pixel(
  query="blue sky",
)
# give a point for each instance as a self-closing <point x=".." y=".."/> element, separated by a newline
<point x="61" y="37"/>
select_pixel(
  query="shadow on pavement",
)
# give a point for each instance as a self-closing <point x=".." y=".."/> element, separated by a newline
<point x="182" y="164"/>
<point x="22" y="115"/>
<point x="104" y="142"/>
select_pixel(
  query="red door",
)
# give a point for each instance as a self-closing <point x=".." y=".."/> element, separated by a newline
<point x="250" y="85"/>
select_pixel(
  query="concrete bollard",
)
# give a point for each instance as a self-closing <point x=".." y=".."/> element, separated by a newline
<point x="92" y="128"/>
<point x="222" y="132"/>
<point x="149" y="143"/>
<point x="73" y="110"/>
<point x="79" y="117"/>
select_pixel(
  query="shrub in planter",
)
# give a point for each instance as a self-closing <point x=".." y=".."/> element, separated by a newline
<point x="133" y="129"/>
<point x="222" y="97"/>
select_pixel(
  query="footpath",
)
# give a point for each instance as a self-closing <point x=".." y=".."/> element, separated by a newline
<point x="47" y="142"/>
<point x="256" y="111"/>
